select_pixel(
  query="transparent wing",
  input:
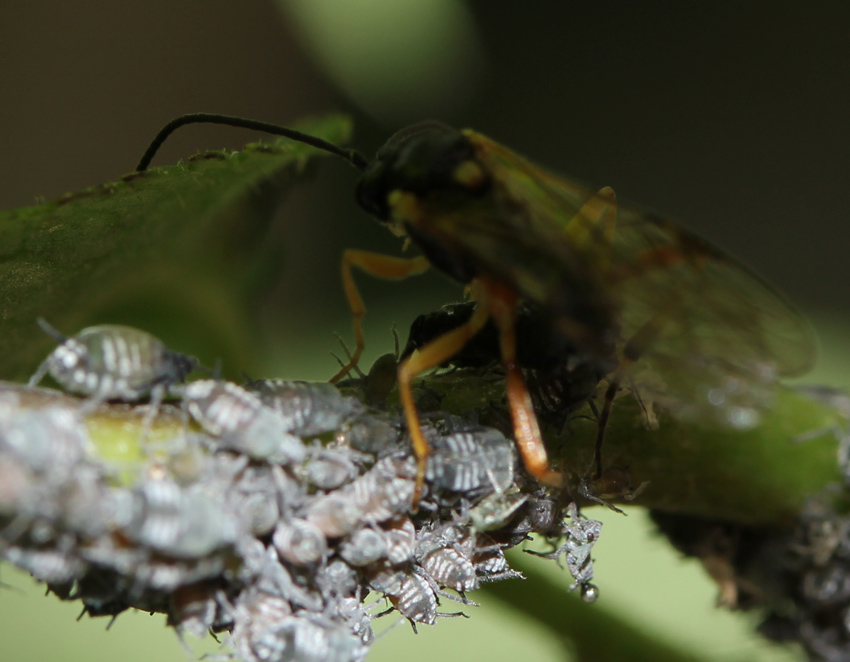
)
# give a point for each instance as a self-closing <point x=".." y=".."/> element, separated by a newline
<point x="718" y="336"/>
<point x="708" y="334"/>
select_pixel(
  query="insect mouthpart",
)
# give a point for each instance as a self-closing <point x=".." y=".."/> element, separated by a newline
<point x="425" y="159"/>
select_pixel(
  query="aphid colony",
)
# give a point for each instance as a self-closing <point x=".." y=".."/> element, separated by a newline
<point x="277" y="511"/>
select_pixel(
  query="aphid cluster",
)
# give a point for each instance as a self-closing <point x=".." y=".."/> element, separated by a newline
<point x="814" y="574"/>
<point x="280" y="512"/>
<point x="581" y="537"/>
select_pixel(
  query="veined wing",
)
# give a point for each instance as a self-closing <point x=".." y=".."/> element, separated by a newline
<point x="708" y="330"/>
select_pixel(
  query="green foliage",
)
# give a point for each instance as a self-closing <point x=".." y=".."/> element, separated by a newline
<point x="192" y="228"/>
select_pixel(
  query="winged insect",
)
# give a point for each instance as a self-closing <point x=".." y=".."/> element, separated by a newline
<point x="624" y="287"/>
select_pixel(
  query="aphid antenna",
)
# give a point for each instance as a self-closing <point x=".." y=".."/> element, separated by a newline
<point x="552" y="556"/>
<point x="11" y="587"/>
<point x="347" y="351"/>
<point x="354" y="157"/>
<point x="215" y="371"/>
<point x="51" y="331"/>
<point x="445" y="594"/>
<point x="460" y="597"/>
<point x="14" y="530"/>
<point x="585" y="490"/>
<point x="396" y="623"/>
<point x="185" y="644"/>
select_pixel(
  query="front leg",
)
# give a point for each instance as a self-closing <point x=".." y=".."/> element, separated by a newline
<point x="387" y="267"/>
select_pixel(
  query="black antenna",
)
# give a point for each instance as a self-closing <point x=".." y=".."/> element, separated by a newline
<point x="354" y="157"/>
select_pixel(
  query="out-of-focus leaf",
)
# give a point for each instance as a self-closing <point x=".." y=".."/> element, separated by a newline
<point x="192" y="228"/>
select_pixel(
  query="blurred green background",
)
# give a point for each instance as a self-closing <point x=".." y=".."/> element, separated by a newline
<point x="732" y="118"/>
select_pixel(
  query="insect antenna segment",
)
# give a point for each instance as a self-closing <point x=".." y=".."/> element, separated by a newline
<point x="354" y="157"/>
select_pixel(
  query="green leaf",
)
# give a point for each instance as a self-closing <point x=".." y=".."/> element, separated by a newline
<point x="188" y="232"/>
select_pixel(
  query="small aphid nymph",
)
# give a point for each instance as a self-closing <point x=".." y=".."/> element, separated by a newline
<point x="300" y="542"/>
<point x="242" y="422"/>
<point x="307" y="408"/>
<point x="471" y="461"/>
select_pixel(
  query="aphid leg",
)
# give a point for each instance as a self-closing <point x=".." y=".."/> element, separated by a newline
<point x="587" y="492"/>
<point x="156" y="398"/>
<point x="425" y="358"/>
<point x="381" y="266"/>
<point x="39" y="374"/>
<point x="386" y="612"/>
<point x="440" y="592"/>
<point x="93" y="402"/>
<point x="503" y="305"/>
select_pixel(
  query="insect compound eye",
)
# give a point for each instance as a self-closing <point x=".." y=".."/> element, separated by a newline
<point x="422" y="159"/>
<point x="470" y="175"/>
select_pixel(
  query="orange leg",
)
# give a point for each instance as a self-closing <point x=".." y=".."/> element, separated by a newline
<point x="376" y="264"/>
<point x="425" y="358"/>
<point x="503" y="305"/>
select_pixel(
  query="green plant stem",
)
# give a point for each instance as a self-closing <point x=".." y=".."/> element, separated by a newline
<point x="760" y="476"/>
